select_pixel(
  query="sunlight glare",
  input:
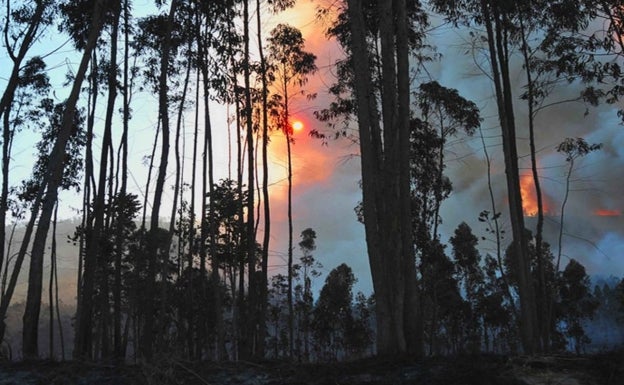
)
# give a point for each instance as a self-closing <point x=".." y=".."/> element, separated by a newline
<point x="297" y="125"/>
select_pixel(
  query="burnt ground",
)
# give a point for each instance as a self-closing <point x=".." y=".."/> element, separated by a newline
<point x="600" y="369"/>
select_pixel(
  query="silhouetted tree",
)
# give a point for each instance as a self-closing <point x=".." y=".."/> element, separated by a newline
<point x="576" y="303"/>
<point x="332" y="313"/>
<point x="290" y="66"/>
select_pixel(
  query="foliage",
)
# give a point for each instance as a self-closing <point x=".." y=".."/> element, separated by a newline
<point x="576" y="303"/>
<point x="73" y="164"/>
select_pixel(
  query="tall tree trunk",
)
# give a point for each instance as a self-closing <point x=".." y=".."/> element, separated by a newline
<point x="500" y="72"/>
<point x="263" y="298"/>
<point x="51" y="286"/>
<point x="117" y="334"/>
<point x="89" y="187"/>
<point x="52" y="181"/>
<point x="7" y="133"/>
<point x="543" y="313"/>
<point x="414" y="333"/>
<point x="383" y="179"/>
<point x="147" y="340"/>
<point x="56" y="289"/>
<point x="190" y="332"/>
<point x="94" y="240"/>
<point x="291" y="311"/>
<point x="176" y="188"/>
<point x="251" y="316"/>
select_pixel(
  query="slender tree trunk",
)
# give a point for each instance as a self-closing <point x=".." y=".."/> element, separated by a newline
<point x="56" y="290"/>
<point x="382" y="182"/>
<point x="117" y="336"/>
<point x="51" y="286"/>
<point x="414" y="334"/>
<point x="543" y="313"/>
<point x="153" y="249"/>
<point x="93" y="256"/>
<point x="263" y="298"/>
<point x="89" y="188"/>
<point x="500" y="71"/>
<point x="191" y="325"/>
<point x="7" y="133"/>
<point x="252" y="298"/>
<point x="51" y="183"/>
<point x="291" y="312"/>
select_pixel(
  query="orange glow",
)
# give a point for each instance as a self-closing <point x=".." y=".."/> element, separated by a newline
<point x="297" y="125"/>
<point x="607" y="213"/>
<point x="529" y="197"/>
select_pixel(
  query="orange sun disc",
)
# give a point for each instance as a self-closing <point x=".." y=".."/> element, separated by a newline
<point x="297" y="125"/>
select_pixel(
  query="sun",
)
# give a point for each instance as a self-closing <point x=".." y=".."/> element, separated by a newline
<point x="297" y="125"/>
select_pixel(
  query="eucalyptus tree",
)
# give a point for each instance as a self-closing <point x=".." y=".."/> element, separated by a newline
<point x="333" y="313"/>
<point x="94" y="239"/>
<point x="573" y="149"/>
<point x="444" y="110"/>
<point x="126" y="90"/>
<point x="165" y="49"/>
<point x="47" y="193"/>
<point x="576" y="302"/>
<point x="249" y="335"/>
<point x="470" y="274"/>
<point x="217" y="42"/>
<point x="496" y="17"/>
<point x="307" y="269"/>
<point x="275" y="6"/>
<point x="20" y="28"/>
<point x="70" y="180"/>
<point x="290" y="66"/>
<point x="379" y="38"/>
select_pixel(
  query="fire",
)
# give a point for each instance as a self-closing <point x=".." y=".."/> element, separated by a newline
<point x="529" y="197"/>
<point x="527" y="191"/>
<point x="607" y="213"/>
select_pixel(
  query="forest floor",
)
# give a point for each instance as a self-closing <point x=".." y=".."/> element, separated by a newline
<point x="599" y="369"/>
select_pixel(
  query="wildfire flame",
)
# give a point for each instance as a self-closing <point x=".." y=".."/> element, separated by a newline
<point x="607" y="213"/>
<point x="529" y="197"/>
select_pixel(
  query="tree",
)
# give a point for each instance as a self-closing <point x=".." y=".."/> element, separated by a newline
<point x="332" y="314"/>
<point x="577" y="303"/>
<point x="443" y="110"/>
<point x="385" y="171"/>
<point x="573" y="149"/>
<point x="94" y="239"/>
<point x="468" y="267"/>
<point x="495" y="17"/>
<point x="290" y="67"/>
<point x="20" y="29"/>
<point x="307" y="269"/>
<point x="72" y="168"/>
<point x="49" y="187"/>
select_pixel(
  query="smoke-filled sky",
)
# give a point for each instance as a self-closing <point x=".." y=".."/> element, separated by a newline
<point x="326" y="176"/>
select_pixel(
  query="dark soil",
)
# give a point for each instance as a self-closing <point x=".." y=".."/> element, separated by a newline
<point x="601" y="369"/>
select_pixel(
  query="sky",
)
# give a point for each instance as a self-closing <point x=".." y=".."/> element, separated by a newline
<point x="326" y="174"/>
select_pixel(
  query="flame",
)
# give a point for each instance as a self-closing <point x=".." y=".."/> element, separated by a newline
<point x="607" y="213"/>
<point x="529" y="197"/>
